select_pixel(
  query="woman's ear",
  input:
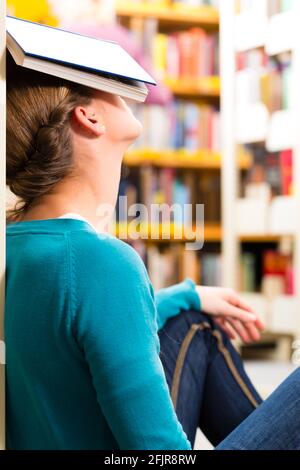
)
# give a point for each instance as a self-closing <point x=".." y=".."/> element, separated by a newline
<point x="89" y="120"/>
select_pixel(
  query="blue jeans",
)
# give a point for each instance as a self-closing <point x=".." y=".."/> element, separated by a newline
<point x="211" y="390"/>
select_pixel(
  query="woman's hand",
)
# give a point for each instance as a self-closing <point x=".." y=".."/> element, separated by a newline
<point x="231" y="313"/>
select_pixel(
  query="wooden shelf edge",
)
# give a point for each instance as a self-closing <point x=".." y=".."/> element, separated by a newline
<point x="212" y="233"/>
<point x="194" y="16"/>
<point x="270" y="336"/>
<point x="268" y="238"/>
<point x="201" y="87"/>
<point x="202" y="159"/>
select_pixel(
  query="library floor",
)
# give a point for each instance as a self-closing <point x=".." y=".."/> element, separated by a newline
<point x="266" y="376"/>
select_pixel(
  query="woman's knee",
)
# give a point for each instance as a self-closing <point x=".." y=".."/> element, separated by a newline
<point x="177" y="328"/>
<point x="197" y="317"/>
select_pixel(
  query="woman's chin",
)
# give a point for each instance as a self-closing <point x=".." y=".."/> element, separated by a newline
<point x="139" y="128"/>
<point x="134" y="130"/>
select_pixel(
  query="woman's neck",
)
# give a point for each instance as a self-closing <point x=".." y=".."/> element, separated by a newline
<point x="90" y="192"/>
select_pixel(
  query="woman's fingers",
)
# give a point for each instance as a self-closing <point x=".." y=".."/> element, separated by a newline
<point x="240" y="329"/>
<point x="226" y="327"/>
<point x="253" y="331"/>
<point x="238" y="313"/>
<point x="259" y="324"/>
<point x="247" y="331"/>
<point x="237" y="301"/>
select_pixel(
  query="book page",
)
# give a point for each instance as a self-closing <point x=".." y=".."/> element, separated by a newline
<point x="103" y="56"/>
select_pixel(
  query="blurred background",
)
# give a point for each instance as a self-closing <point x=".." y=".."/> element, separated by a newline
<point x="220" y="130"/>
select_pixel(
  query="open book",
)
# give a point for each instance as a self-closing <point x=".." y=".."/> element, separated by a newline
<point x="99" y="64"/>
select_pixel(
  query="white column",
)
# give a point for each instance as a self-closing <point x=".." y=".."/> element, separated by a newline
<point x="296" y="166"/>
<point x="230" y="249"/>
<point x="2" y="209"/>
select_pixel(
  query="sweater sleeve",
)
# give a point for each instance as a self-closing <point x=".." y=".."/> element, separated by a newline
<point x="115" y="324"/>
<point x="173" y="300"/>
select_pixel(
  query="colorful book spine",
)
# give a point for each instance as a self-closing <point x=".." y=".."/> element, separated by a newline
<point x="248" y="269"/>
<point x="286" y="166"/>
<point x="273" y="169"/>
<point x="279" y="265"/>
<point x="261" y="78"/>
<point x="181" y="125"/>
<point x="186" y="54"/>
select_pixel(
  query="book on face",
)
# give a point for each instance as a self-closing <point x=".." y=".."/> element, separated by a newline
<point x="98" y="64"/>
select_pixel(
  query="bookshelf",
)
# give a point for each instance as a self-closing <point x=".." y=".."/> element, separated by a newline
<point x="176" y="16"/>
<point x="203" y="90"/>
<point x="204" y="87"/>
<point x="213" y="232"/>
<point x="275" y="131"/>
<point x="2" y="211"/>
<point x="202" y="159"/>
<point x="268" y="238"/>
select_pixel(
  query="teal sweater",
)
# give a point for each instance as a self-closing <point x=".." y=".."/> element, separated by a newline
<point x="81" y="322"/>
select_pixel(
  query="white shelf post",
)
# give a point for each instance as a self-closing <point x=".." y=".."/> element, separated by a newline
<point x="230" y="179"/>
<point x="296" y="163"/>
<point x="230" y="250"/>
<point x="2" y="210"/>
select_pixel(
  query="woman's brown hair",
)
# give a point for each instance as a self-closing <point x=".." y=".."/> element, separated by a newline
<point x="39" y="144"/>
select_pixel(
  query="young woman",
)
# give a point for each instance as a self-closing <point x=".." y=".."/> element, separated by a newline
<point x="96" y="359"/>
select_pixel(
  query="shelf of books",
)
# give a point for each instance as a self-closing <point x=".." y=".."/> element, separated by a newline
<point x="166" y="256"/>
<point x="205" y="87"/>
<point x="266" y="111"/>
<point x="167" y="232"/>
<point x="177" y="14"/>
<point x="181" y="158"/>
<point x="174" y="188"/>
<point x="186" y="60"/>
<point x="177" y="160"/>
<point x="2" y="215"/>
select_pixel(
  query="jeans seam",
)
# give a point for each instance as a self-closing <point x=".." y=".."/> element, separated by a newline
<point x="223" y="350"/>
<point x="181" y="358"/>
<point x="231" y="366"/>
